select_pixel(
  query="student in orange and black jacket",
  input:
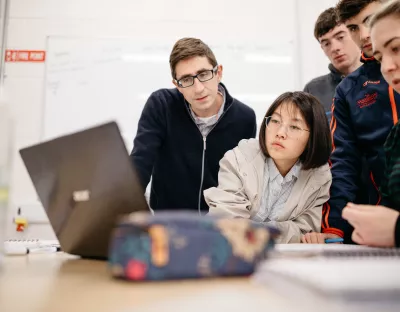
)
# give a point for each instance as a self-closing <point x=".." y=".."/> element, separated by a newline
<point x="380" y="226"/>
<point x="364" y="111"/>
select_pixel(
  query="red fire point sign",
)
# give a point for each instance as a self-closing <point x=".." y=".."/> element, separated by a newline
<point x="25" y="56"/>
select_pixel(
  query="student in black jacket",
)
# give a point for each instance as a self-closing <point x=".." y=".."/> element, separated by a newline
<point x="184" y="132"/>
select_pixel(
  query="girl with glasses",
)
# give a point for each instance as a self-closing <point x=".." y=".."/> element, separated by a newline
<point x="283" y="178"/>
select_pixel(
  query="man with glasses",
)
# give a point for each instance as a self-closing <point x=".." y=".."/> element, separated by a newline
<point x="184" y="132"/>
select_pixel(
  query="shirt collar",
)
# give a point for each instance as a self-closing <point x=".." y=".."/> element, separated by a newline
<point x="337" y="75"/>
<point x="274" y="172"/>
<point x="199" y="120"/>
<point x="294" y="172"/>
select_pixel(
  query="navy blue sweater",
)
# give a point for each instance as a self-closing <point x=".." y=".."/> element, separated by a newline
<point x="170" y="148"/>
<point x="363" y="113"/>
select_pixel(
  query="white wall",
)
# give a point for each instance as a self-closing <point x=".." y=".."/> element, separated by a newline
<point x="31" y="21"/>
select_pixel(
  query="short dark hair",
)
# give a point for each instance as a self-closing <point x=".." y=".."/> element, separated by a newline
<point x="347" y="9"/>
<point x="389" y="9"/>
<point x="319" y="146"/>
<point x="189" y="47"/>
<point x="326" y="21"/>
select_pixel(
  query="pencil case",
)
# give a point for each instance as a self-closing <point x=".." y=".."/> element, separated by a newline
<point x="181" y="245"/>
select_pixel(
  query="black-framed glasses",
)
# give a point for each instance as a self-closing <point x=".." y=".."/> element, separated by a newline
<point x="275" y="124"/>
<point x="203" y="76"/>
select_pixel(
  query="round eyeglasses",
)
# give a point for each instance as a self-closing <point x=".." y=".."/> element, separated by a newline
<point x="275" y="124"/>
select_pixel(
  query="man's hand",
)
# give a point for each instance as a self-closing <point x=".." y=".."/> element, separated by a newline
<point x="317" y="238"/>
<point x="373" y="225"/>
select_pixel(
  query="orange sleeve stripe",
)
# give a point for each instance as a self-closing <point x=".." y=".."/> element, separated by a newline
<point x="332" y="109"/>
<point x="377" y="189"/>
<point x="393" y="105"/>
<point x="323" y="214"/>
<point x="326" y="207"/>
<point x="326" y="216"/>
<point x="332" y="133"/>
<point x="334" y="231"/>
<point x="333" y="127"/>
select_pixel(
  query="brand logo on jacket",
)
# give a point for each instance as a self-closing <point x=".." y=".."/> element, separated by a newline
<point x="371" y="82"/>
<point x="367" y="100"/>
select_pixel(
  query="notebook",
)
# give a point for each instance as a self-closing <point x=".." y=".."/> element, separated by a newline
<point x="354" y="273"/>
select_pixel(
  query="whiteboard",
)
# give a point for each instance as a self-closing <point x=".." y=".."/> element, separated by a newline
<point x="89" y="81"/>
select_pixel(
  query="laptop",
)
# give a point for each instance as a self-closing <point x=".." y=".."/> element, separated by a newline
<point x="85" y="181"/>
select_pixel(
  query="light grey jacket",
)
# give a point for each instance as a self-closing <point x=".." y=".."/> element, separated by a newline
<point x="240" y="188"/>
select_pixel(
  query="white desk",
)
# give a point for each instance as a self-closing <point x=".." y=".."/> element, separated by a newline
<point x="57" y="282"/>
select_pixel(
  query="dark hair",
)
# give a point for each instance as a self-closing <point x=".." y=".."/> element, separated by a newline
<point x="319" y="145"/>
<point x="326" y="21"/>
<point x="189" y="47"/>
<point x="347" y="9"/>
<point x="389" y="9"/>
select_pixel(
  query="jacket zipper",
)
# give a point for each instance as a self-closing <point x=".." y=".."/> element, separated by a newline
<point x="204" y="150"/>
<point x="202" y="171"/>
